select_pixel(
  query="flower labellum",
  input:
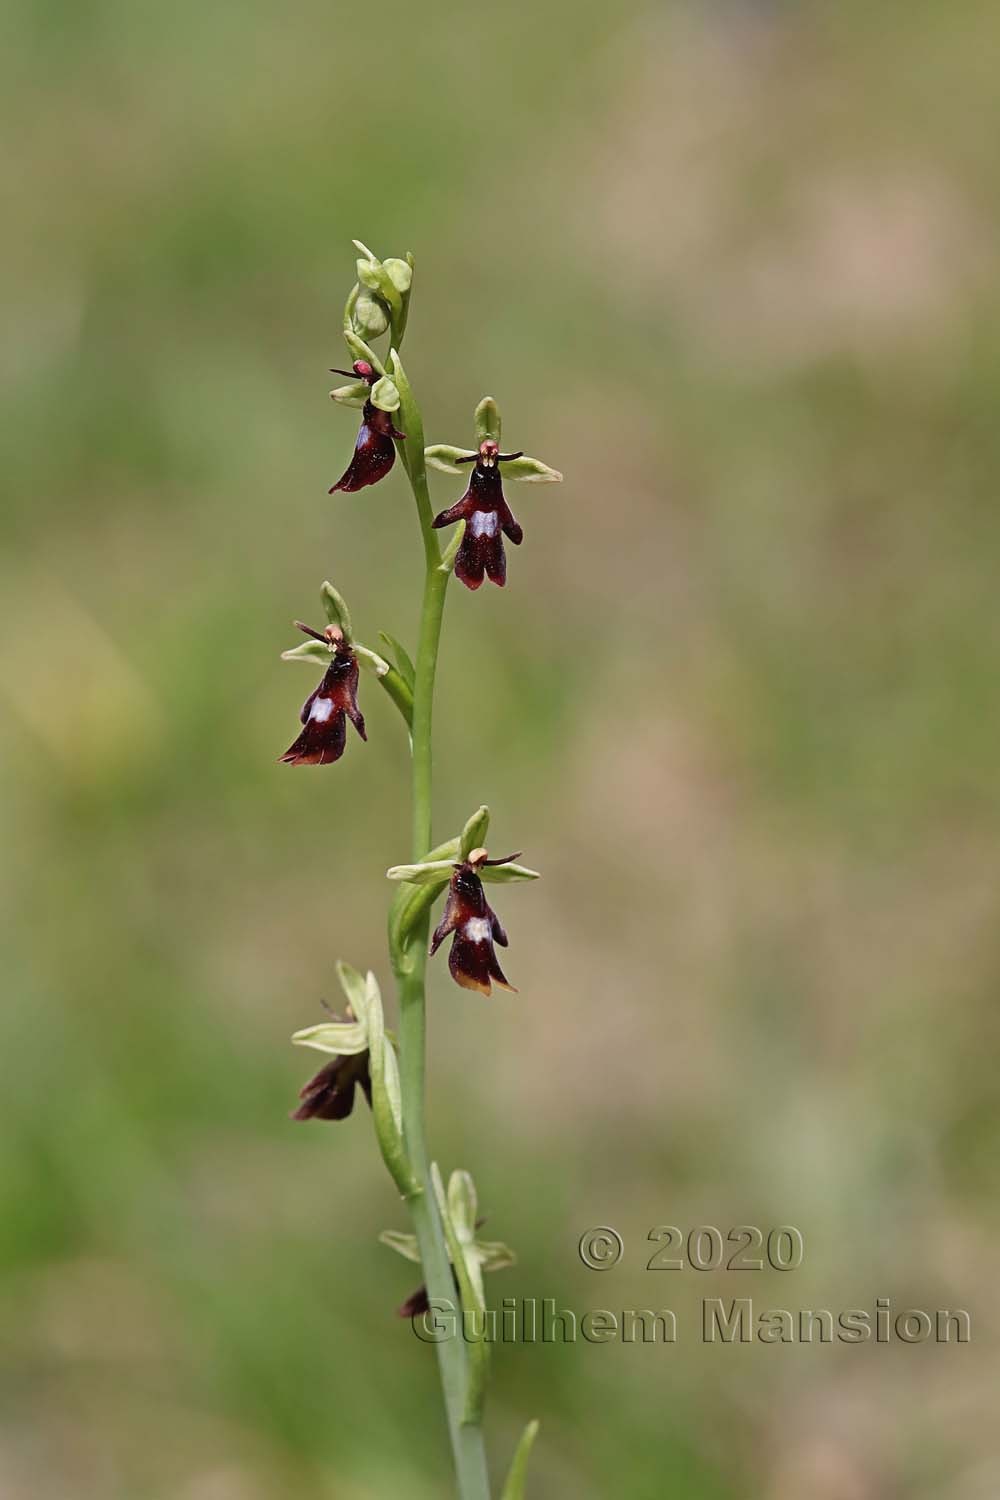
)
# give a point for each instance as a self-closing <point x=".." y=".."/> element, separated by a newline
<point x="472" y="961"/>
<point x="486" y="514"/>
<point x="330" y="1094"/>
<point x="326" y="711"/>
<point x="374" y="453"/>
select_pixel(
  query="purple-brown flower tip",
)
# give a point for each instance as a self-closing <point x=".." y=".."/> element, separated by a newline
<point x="360" y="368"/>
<point x="374" y="453"/>
<point x="326" y="711"/>
<point x="330" y="1095"/>
<point x="415" y="1305"/>
<point x="472" y="960"/>
<point x="488" y="519"/>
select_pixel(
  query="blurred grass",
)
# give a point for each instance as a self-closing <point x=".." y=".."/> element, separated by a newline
<point x="733" y="270"/>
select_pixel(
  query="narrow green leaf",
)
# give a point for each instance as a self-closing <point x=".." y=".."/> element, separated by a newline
<point x="516" y="1477"/>
<point x="403" y="661"/>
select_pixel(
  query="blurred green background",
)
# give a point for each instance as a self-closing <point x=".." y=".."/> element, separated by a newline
<point x="732" y="267"/>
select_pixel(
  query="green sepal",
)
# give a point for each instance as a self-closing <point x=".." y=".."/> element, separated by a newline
<point x="517" y="1474"/>
<point x="530" y="471"/>
<point x="335" y="606"/>
<point x="355" y="394"/>
<point x="473" y="835"/>
<point x="429" y="872"/>
<point x="451" y="551"/>
<point x="445" y="457"/>
<point x="339" y="1038"/>
<point x="403" y="661"/>
<point x="355" y="990"/>
<point x="314" y="653"/>
<point x="384" y="394"/>
<point x="403" y="1244"/>
<point x="504" y="874"/>
<point x="494" y="1256"/>
<point x="487" y="420"/>
<point x="462" y="1205"/>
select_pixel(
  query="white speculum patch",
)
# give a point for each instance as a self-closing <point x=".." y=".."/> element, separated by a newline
<point x="321" y="710"/>
<point x="484" y="523"/>
<point x="477" y="929"/>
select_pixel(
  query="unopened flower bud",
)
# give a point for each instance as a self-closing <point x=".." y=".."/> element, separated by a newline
<point x="369" y="316"/>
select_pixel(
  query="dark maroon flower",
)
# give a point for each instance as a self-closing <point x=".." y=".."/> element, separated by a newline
<point x="330" y="1095"/>
<point x="472" y="961"/>
<point x="326" y="711"/>
<point x="374" y="452"/>
<point x="486" y="515"/>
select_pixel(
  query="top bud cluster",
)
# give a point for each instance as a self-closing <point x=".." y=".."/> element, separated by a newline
<point x="379" y="304"/>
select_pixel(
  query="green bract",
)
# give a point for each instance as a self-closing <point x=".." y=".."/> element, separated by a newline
<point x="514" y="1487"/>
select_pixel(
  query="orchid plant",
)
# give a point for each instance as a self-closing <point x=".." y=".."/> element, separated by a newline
<point x="388" y="1068"/>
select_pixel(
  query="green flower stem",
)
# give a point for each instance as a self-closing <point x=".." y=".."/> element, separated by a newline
<point x="466" y="1437"/>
